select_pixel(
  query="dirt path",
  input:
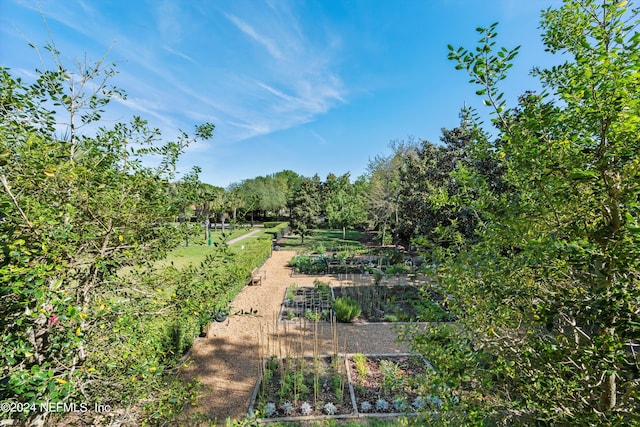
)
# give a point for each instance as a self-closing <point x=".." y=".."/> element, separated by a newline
<point x="227" y="361"/>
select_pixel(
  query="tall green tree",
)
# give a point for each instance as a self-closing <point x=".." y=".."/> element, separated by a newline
<point x="270" y="193"/>
<point x="305" y="206"/>
<point x="343" y="202"/>
<point x="184" y="195"/>
<point x="384" y="188"/>
<point x="249" y="198"/>
<point x="288" y="181"/>
<point x="432" y="200"/>
<point x="265" y="194"/>
<point x="548" y="298"/>
<point x="235" y="202"/>
<point x="209" y="202"/>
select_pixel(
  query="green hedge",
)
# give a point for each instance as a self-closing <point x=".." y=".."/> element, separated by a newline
<point x="152" y="331"/>
<point x="274" y="232"/>
<point x="271" y="224"/>
<point x="200" y="291"/>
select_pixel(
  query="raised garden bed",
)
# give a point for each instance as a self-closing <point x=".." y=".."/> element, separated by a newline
<point x="364" y="261"/>
<point x="350" y="386"/>
<point x="303" y="387"/>
<point x="384" y="384"/>
<point x="308" y="303"/>
<point x="381" y="303"/>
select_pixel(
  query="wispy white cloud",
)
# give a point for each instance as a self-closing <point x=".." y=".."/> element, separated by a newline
<point x="180" y="54"/>
<point x="317" y="136"/>
<point x="276" y="92"/>
<point x="244" y="94"/>
<point x="169" y="21"/>
<point x="252" y="129"/>
<point x="301" y="81"/>
<point x="149" y="108"/>
<point x="66" y="14"/>
<point x="247" y="29"/>
<point x="311" y="97"/>
<point x="87" y="8"/>
<point x="23" y="72"/>
<point x="286" y="14"/>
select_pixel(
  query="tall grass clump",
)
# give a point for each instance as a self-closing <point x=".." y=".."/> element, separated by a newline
<point x="346" y="309"/>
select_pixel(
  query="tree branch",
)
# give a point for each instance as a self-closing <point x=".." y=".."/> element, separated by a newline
<point x="5" y="184"/>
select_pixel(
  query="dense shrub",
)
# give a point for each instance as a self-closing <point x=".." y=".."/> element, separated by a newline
<point x="200" y="291"/>
<point x="275" y="231"/>
<point x="306" y="264"/>
<point x="272" y="224"/>
<point x="88" y="314"/>
<point x="398" y="269"/>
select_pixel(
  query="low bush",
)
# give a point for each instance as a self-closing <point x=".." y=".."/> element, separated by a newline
<point x="305" y="264"/>
<point x="271" y="224"/>
<point x="277" y="229"/>
<point x="346" y="309"/>
<point x="430" y="311"/>
<point x="318" y="248"/>
<point x="398" y="269"/>
<point x="324" y="289"/>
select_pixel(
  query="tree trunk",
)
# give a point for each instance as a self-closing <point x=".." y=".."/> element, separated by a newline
<point x="184" y="226"/>
<point x="609" y="387"/>
<point x="384" y="234"/>
<point x="608" y="394"/>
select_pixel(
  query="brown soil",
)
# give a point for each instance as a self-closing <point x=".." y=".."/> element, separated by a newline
<point x="227" y="361"/>
<point x="331" y="385"/>
<point x="402" y="380"/>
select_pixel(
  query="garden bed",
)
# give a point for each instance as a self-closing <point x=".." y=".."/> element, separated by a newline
<point x="302" y="387"/>
<point x="308" y="303"/>
<point x="388" y="384"/>
<point x="378" y="303"/>
<point x="350" y="386"/>
<point x="381" y="303"/>
<point x="356" y="260"/>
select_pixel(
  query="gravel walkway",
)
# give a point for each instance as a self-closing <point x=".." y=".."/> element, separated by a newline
<point x="244" y="236"/>
<point x="227" y="361"/>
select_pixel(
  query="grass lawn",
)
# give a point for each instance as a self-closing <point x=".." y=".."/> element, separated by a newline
<point x="331" y="240"/>
<point x="216" y="236"/>
<point x="198" y="249"/>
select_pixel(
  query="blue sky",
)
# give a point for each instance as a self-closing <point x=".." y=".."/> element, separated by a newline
<point x="314" y="86"/>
